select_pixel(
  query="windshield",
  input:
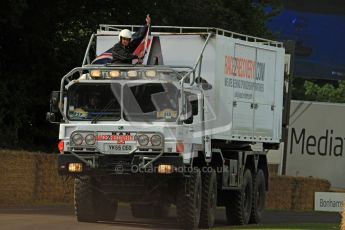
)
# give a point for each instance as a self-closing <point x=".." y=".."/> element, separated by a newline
<point x="94" y="102"/>
<point x="150" y="102"/>
<point x="141" y="102"/>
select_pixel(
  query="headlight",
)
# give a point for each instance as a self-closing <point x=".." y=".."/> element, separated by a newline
<point x="77" y="139"/>
<point x="114" y="73"/>
<point x="90" y="139"/>
<point x="132" y="73"/>
<point x="150" y="73"/>
<point x="95" y="73"/>
<point x="156" y="140"/>
<point x="143" y="140"/>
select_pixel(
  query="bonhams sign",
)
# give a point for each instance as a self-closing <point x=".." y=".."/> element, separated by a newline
<point x="329" y="201"/>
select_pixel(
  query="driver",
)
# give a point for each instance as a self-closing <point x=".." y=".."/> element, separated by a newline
<point x="94" y="102"/>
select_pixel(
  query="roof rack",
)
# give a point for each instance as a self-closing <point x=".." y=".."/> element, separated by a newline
<point x="196" y="30"/>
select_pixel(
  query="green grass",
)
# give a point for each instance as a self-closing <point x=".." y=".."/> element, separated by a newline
<point x="286" y="226"/>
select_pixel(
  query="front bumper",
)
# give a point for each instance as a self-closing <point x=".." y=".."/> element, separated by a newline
<point x="101" y="164"/>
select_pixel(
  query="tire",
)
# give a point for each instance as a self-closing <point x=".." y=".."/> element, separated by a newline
<point x="259" y="197"/>
<point x="90" y="204"/>
<point x="84" y="199"/>
<point x="106" y="209"/>
<point x="188" y="201"/>
<point x="208" y="199"/>
<point x="239" y="205"/>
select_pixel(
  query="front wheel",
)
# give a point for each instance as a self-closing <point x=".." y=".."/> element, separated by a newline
<point x="84" y="199"/>
<point x="106" y="209"/>
<point x="208" y="199"/>
<point x="189" y="201"/>
<point x="91" y="204"/>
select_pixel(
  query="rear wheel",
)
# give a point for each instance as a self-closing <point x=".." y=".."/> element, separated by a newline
<point x="239" y="205"/>
<point x="189" y="201"/>
<point x="259" y="197"/>
<point x="208" y="199"/>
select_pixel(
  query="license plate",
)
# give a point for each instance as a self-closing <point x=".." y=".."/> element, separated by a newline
<point x="119" y="148"/>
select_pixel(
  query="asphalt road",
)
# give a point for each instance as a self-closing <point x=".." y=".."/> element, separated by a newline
<point x="62" y="218"/>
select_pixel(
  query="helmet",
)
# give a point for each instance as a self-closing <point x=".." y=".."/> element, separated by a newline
<point x="125" y="34"/>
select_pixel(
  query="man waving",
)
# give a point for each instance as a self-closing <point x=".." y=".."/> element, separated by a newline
<point x="122" y="51"/>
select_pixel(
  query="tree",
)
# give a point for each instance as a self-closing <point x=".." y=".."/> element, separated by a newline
<point x="326" y="92"/>
<point x="43" y="40"/>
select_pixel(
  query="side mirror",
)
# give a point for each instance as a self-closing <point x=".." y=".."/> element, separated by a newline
<point x="194" y="107"/>
<point x="54" y="113"/>
<point x="54" y="101"/>
<point x="204" y="84"/>
<point x="50" y="117"/>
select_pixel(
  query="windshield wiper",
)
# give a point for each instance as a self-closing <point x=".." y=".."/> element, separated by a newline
<point x="101" y="113"/>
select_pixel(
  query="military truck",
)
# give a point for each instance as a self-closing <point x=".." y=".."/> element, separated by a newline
<point x="190" y="126"/>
